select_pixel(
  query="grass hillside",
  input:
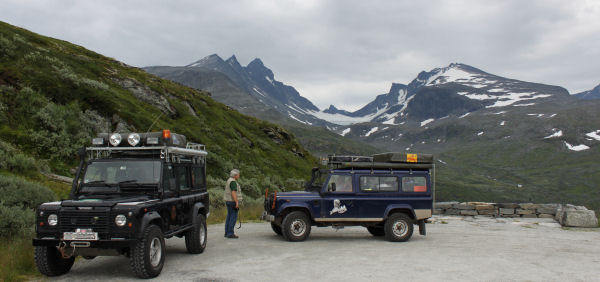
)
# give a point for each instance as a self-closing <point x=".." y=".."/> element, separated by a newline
<point x="56" y="96"/>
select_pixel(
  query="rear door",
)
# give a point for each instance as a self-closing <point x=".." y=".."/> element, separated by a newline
<point x="375" y="193"/>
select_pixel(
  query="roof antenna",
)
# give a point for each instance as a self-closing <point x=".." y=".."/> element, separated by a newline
<point x="155" y="120"/>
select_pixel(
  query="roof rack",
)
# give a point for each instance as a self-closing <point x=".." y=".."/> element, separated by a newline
<point x="380" y="161"/>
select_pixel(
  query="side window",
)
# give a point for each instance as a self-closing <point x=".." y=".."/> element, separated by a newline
<point x="414" y="184"/>
<point x="343" y="183"/>
<point x="182" y="178"/>
<point x="198" y="181"/>
<point x="378" y="184"/>
<point x="169" y="179"/>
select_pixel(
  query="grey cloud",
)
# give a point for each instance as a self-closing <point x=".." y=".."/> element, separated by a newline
<point x="337" y="51"/>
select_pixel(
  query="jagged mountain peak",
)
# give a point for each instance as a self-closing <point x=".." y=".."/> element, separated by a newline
<point x="258" y="68"/>
<point x="233" y="62"/>
<point x="210" y="59"/>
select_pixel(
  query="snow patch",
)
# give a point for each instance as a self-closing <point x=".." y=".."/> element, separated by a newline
<point x="346" y="131"/>
<point x="442" y="162"/>
<point x="371" y="131"/>
<point x="464" y="115"/>
<point x="503" y="122"/>
<point x="269" y="79"/>
<point x="557" y="133"/>
<point x="295" y="118"/>
<point x="480" y="133"/>
<point x="497" y="90"/>
<point x="580" y="147"/>
<point x="594" y="135"/>
<point x="426" y="121"/>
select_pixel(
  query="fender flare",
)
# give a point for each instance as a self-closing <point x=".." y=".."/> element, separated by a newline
<point x="399" y="206"/>
<point x="196" y="209"/>
<point x="146" y="221"/>
<point x="285" y="206"/>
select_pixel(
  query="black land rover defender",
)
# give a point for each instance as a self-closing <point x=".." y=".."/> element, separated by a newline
<point x="125" y="200"/>
<point x="386" y="193"/>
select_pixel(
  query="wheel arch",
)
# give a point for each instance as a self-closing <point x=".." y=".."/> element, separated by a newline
<point x="406" y="209"/>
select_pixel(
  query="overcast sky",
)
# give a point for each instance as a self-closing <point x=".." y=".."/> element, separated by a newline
<point x="336" y="52"/>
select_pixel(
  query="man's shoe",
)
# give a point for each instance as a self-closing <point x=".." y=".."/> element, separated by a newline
<point x="233" y="236"/>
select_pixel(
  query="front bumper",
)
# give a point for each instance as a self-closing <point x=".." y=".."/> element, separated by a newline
<point x="267" y="217"/>
<point x="100" y="244"/>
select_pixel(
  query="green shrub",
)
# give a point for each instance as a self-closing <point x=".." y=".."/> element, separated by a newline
<point x="22" y="193"/>
<point x="14" y="160"/>
<point x="16" y="220"/>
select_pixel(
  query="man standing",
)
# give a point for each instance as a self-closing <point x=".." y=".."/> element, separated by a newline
<point x="232" y="197"/>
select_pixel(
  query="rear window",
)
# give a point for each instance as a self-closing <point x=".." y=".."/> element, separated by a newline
<point x="414" y="184"/>
<point x="378" y="184"/>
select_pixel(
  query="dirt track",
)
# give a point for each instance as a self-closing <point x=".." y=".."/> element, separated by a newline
<point x="455" y="249"/>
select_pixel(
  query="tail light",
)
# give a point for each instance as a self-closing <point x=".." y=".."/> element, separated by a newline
<point x="266" y="193"/>
<point x="274" y="200"/>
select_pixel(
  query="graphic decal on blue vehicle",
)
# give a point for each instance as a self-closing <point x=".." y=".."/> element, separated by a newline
<point x="337" y="207"/>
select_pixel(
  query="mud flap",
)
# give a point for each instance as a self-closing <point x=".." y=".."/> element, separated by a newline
<point x="422" y="229"/>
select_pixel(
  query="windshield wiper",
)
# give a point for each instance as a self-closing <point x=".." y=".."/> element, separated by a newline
<point x="98" y="182"/>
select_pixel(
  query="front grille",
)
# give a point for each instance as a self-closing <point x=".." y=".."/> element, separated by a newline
<point x="97" y="220"/>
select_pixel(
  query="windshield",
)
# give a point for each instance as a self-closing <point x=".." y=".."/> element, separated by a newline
<point x="119" y="172"/>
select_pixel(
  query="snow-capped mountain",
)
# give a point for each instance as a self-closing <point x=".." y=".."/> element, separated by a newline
<point x="590" y="94"/>
<point x="453" y="90"/>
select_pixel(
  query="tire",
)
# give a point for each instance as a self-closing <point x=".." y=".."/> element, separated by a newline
<point x="296" y="226"/>
<point x="50" y="262"/>
<point x="376" y="231"/>
<point x="398" y="227"/>
<point x="276" y="228"/>
<point x="148" y="255"/>
<point x="195" y="238"/>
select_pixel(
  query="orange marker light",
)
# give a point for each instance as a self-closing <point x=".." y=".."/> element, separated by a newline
<point x="274" y="200"/>
<point x="166" y="133"/>
<point x="420" y="188"/>
<point x="129" y="224"/>
<point x="42" y="223"/>
<point x="411" y="158"/>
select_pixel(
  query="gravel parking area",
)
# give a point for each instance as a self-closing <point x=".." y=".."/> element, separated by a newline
<point x="455" y="249"/>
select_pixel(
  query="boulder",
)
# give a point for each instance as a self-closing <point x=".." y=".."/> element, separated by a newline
<point x="533" y="215"/>
<point x="505" y="211"/>
<point x="580" y="218"/>
<point x="545" y="215"/>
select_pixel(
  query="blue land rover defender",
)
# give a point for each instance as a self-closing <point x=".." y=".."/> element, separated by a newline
<point x="386" y="193"/>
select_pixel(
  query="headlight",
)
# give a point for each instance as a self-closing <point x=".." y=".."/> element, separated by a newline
<point x="52" y="220"/>
<point x="115" y="139"/>
<point x="120" y="220"/>
<point x="133" y="139"/>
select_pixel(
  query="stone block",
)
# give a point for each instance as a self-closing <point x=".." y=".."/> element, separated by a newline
<point x="506" y="211"/>
<point x="547" y="209"/>
<point x="580" y="218"/>
<point x="485" y="207"/>
<point x="545" y="215"/>
<point x="522" y="211"/>
<point x="508" y="205"/>
<point x="488" y="212"/>
<point x="438" y="211"/>
<point x="463" y="206"/>
<point x="533" y="215"/>
<point x="528" y="206"/>
<point x="468" y="212"/>
<point x="452" y="212"/>
<point x="445" y="205"/>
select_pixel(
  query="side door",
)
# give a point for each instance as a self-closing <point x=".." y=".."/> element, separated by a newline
<point x="375" y="193"/>
<point x="337" y="203"/>
<point x="181" y="207"/>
